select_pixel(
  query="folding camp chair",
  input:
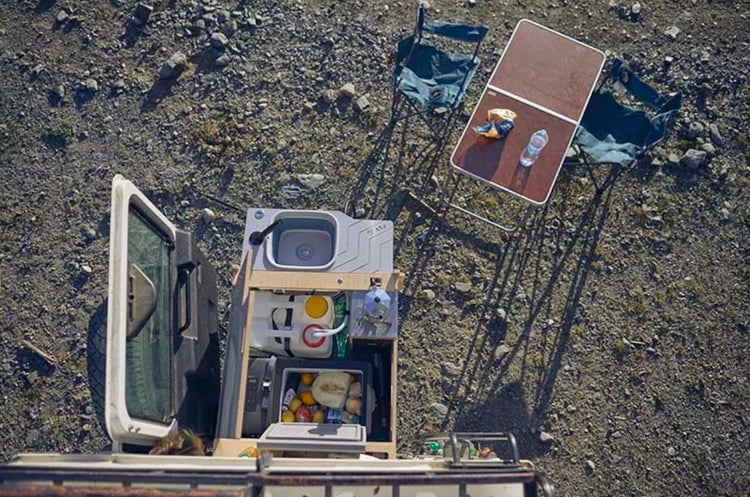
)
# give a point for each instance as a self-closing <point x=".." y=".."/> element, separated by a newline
<point x="612" y="133"/>
<point x="426" y="78"/>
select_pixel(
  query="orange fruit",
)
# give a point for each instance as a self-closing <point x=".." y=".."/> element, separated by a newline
<point x="306" y="379"/>
<point x="319" y="416"/>
<point x="287" y="417"/>
<point x="307" y="398"/>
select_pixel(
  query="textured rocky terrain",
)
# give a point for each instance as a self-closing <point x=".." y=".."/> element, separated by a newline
<point x="609" y="333"/>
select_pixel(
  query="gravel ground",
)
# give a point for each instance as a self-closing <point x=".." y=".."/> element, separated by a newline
<point x="609" y="333"/>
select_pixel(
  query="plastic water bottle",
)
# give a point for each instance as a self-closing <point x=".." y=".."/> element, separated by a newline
<point x="536" y="143"/>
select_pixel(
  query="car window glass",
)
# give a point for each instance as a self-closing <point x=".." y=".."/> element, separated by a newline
<point x="149" y="350"/>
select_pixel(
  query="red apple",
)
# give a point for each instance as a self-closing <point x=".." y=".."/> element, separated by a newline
<point x="303" y="414"/>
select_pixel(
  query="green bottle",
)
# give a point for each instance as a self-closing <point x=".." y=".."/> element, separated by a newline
<point x="342" y="337"/>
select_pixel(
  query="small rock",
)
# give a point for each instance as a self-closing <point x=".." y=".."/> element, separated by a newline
<point x="472" y="3"/>
<point x="308" y="107"/>
<point x="219" y="40"/>
<point x="636" y="9"/>
<point x="224" y="15"/>
<point x="673" y="159"/>
<point x="428" y="294"/>
<point x="693" y="159"/>
<point x="672" y="32"/>
<point x="89" y="233"/>
<point x="709" y="149"/>
<point x="500" y="351"/>
<point x="438" y="410"/>
<point x="143" y="12"/>
<point x="501" y="314"/>
<point x="671" y="452"/>
<point x="463" y="286"/>
<point x="199" y="25"/>
<point x="695" y="129"/>
<point x="229" y="28"/>
<point x="208" y="214"/>
<point x="62" y="16"/>
<point x="590" y="466"/>
<point x="362" y="104"/>
<point x="347" y="91"/>
<point x="311" y="181"/>
<point x="90" y="85"/>
<point x="716" y="138"/>
<point x="173" y="66"/>
<point x="571" y="153"/>
<point x="668" y="60"/>
<point x="360" y="212"/>
<point x="450" y="370"/>
<point x="223" y="60"/>
<point x="545" y="437"/>
<point x="118" y="85"/>
<point x="86" y="269"/>
<point x="328" y="96"/>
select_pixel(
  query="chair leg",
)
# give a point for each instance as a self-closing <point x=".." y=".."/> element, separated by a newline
<point x="395" y="101"/>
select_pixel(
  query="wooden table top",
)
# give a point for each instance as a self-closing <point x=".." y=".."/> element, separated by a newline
<point x="546" y="78"/>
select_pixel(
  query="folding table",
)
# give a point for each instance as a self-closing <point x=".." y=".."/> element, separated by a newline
<point x="546" y="78"/>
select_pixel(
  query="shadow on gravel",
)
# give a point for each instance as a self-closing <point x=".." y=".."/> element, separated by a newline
<point x="205" y="60"/>
<point x="161" y="89"/>
<point x="132" y="34"/>
<point x="505" y="412"/>
<point x="43" y="6"/>
<point x="96" y="359"/>
<point x="399" y="166"/>
<point x="30" y="361"/>
<point x="489" y="356"/>
<point x="82" y="97"/>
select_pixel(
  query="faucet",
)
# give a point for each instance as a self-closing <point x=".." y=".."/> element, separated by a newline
<point x="257" y="237"/>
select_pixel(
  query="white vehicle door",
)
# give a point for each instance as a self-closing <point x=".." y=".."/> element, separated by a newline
<point x="162" y="369"/>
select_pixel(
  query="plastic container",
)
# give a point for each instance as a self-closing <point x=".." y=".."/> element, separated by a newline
<point x="289" y="375"/>
<point x="536" y="143"/>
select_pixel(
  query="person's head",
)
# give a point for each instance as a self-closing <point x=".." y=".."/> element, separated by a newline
<point x="182" y="443"/>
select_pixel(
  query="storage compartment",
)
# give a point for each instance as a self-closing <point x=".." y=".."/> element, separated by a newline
<point x="268" y="381"/>
<point x="380" y="354"/>
<point x="292" y="386"/>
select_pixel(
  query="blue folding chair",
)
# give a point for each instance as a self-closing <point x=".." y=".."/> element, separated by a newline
<point x="615" y="134"/>
<point x="426" y="77"/>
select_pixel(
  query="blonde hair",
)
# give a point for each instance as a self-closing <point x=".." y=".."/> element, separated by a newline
<point x="182" y="443"/>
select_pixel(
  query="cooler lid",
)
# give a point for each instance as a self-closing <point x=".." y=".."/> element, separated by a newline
<point x="314" y="437"/>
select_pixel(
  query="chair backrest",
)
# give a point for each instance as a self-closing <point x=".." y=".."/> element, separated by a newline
<point x="425" y="72"/>
<point x="642" y="91"/>
<point x="612" y="132"/>
<point x="459" y="32"/>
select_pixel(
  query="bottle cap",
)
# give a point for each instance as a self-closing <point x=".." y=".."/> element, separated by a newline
<point x="316" y="306"/>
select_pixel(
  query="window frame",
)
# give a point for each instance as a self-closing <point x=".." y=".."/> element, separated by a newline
<point x="121" y="426"/>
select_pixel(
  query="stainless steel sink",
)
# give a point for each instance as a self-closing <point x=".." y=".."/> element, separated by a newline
<point x="304" y="240"/>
